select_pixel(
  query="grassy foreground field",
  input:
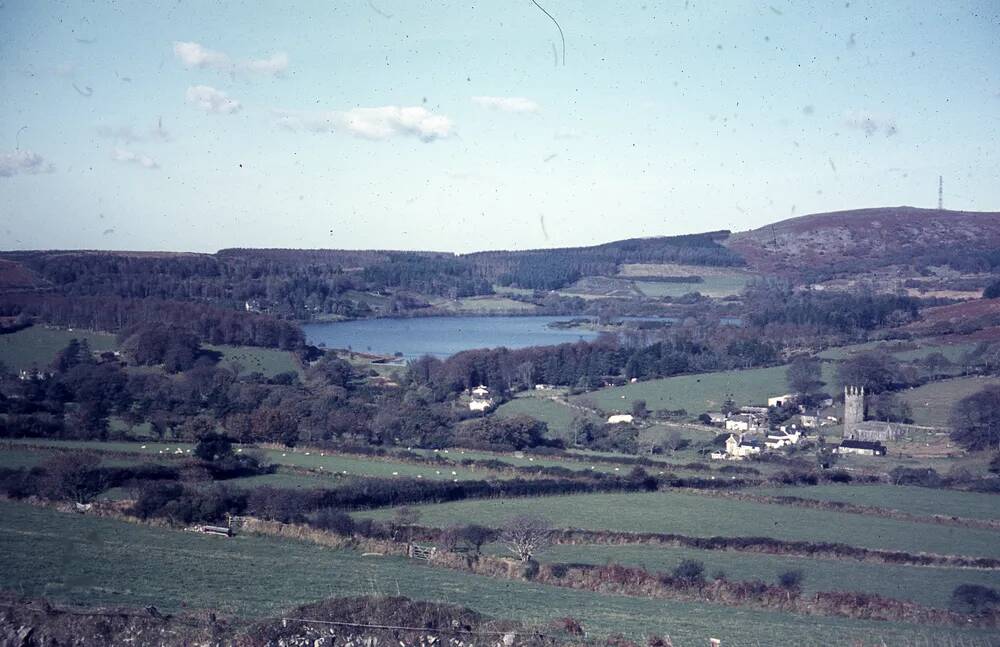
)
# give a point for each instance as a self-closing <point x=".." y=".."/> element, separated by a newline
<point x="89" y="560"/>
<point x="36" y="346"/>
<point x="333" y="463"/>
<point x="703" y="516"/>
<point x="915" y="500"/>
<point x="927" y="586"/>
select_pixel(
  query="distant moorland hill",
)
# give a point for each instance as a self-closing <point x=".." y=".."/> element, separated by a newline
<point x="867" y="239"/>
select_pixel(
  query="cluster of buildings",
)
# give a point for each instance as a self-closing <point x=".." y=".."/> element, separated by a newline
<point x="751" y="434"/>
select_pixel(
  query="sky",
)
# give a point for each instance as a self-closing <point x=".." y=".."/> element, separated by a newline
<point x="462" y="126"/>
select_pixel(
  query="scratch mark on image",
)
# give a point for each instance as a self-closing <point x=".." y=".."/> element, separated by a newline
<point x="551" y="157"/>
<point x="541" y="221"/>
<point x="556" y="22"/>
<point x="17" y="138"/>
<point x="379" y="11"/>
<point x="86" y="92"/>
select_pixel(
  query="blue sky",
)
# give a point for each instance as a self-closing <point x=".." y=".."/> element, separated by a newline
<point x="456" y="126"/>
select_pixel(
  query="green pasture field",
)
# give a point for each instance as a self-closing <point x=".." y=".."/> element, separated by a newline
<point x="19" y="457"/>
<point x="267" y="361"/>
<point x="710" y="286"/>
<point x="37" y="346"/>
<point x="698" y="393"/>
<point x="703" y="516"/>
<point x="557" y="416"/>
<point x="953" y="352"/>
<point x="932" y="402"/>
<point x="333" y="463"/>
<point x="528" y="460"/>
<point x="927" y="586"/>
<point x="914" y="500"/>
<point x="96" y="561"/>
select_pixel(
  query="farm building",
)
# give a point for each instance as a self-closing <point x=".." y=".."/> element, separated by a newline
<point x="744" y="422"/>
<point x="620" y="418"/>
<point x="861" y="447"/>
<point x="716" y="418"/>
<point x="813" y="421"/>
<point x="781" y="400"/>
<point x="783" y="438"/>
<point x="480" y="392"/>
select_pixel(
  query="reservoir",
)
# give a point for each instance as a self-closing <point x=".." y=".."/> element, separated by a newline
<point x="441" y="336"/>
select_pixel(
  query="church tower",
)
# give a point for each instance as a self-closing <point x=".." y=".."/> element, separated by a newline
<point x="854" y="409"/>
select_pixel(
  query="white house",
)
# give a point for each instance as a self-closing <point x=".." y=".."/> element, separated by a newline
<point x="480" y="405"/>
<point x="620" y="418"/>
<point x="780" y="400"/>
<point x="544" y="387"/>
<point x="481" y="400"/>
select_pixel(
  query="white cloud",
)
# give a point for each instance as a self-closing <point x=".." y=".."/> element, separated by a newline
<point x="507" y="104"/>
<point x="372" y="123"/>
<point x="274" y="66"/>
<point x="871" y="123"/>
<point x="195" y="55"/>
<point x="128" y="157"/>
<point x="129" y="135"/>
<point x="211" y="100"/>
<point x="23" y="162"/>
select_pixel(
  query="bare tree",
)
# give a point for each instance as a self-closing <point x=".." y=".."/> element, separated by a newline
<point x="524" y="535"/>
<point x="75" y="476"/>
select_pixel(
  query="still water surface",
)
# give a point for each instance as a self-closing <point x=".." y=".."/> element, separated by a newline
<point x="441" y="336"/>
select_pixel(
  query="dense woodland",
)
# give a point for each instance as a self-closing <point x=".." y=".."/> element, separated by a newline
<point x="304" y="283"/>
<point x="208" y="323"/>
<point x="550" y="269"/>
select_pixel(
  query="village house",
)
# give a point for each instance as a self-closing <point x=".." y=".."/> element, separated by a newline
<point x="739" y="448"/>
<point x="620" y="418"/>
<point x="861" y="448"/>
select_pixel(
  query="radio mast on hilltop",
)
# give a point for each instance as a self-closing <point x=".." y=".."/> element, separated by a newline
<point x="940" y="192"/>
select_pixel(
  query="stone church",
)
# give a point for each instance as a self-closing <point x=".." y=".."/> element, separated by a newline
<point x="857" y="428"/>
